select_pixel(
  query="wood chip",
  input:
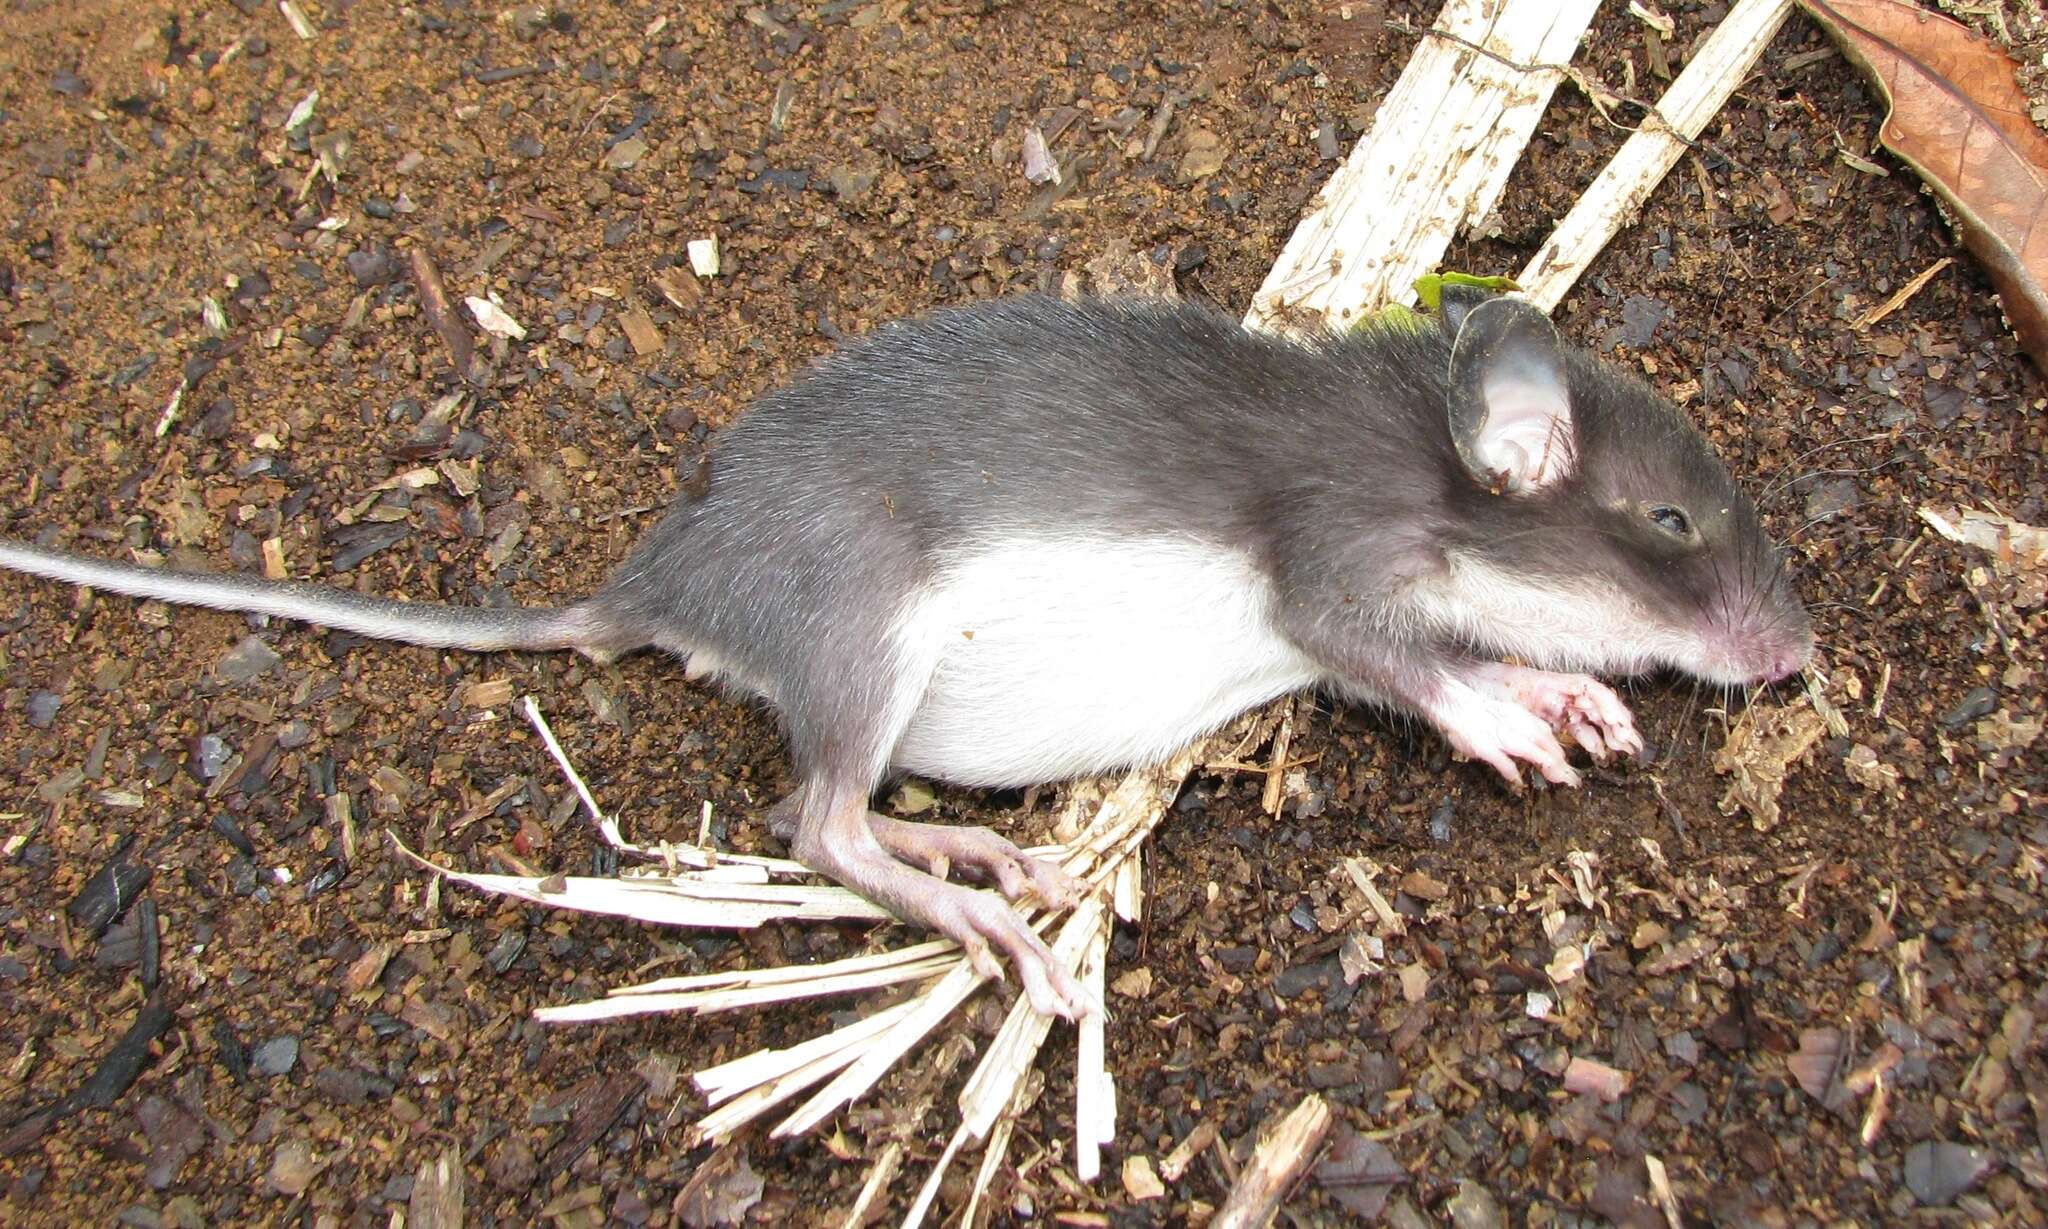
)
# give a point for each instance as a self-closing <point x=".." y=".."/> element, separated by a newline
<point x="683" y="293"/>
<point x="441" y="317"/>
<point x="1139" y="1180"/>
<point x="1278" y="1161"/>
<point x="437" y="1192"/>
<point x="640" y="330"/>
<point x="494" y="319"/>
<point x="1039" y="164"/>
<point x="704" y="257"/>
<point x="367" y="968"/>
<point x="1586" y="1075"/>
<point x="489" y="694"/>
<point x="296" y="18"/>
<point x="1185" y="1152"/>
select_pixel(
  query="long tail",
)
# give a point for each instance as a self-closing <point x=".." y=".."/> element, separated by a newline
<point x="432" y="624"/>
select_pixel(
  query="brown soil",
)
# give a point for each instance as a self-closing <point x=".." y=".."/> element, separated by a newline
<point x="148" y="168"/>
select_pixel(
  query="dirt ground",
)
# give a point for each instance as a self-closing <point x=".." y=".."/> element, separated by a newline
<point x="1831" y="1019"/>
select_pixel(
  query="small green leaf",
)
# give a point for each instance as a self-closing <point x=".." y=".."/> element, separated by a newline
<point x="1429" y="288"/>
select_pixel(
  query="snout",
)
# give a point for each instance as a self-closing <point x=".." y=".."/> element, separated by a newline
<point x="1787" y="662"/>
<point x="1755" y="656"/>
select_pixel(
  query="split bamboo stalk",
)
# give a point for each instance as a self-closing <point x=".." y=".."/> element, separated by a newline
<point x="1616" y="195"/>
<point x="1434" y="162"/>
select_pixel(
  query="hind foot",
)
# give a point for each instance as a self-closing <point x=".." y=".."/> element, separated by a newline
<point x="844" y="846"/>
<point x="991" y="858"/>
<point x="939" y="848"/>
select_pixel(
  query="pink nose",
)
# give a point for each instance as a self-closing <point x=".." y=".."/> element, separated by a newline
<point x="1787" y="662"/>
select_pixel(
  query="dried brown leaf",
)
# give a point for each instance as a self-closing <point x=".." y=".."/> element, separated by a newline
<point x="721" y="1192"/>
<point x="1761" y="749"/>
<point x="1358" y="1173"/>
<point x="1959" y="118"/>
<point x="1820" y="1053"/>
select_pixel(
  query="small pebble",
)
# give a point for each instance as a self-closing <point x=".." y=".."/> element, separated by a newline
<point x="249" y="659"/>
<point x="42" y="708"/>
<point x="1440" y="821"/>
<point x="1938" y="1170"/>
<point x="1980" y="702"/>
<point x="276" y="1056"/>
<point x="210" y="756"/>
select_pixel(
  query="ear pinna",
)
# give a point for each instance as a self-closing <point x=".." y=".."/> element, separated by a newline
<point x="1510" y="404"/>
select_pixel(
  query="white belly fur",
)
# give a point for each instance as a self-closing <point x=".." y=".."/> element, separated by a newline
<point x="1065" y="658"/>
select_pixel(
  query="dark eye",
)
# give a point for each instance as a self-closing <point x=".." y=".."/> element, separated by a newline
<point x="1671" y="520"/>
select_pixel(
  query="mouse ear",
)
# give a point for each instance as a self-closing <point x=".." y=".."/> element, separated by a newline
<point x="1510" y="403"/>
<point x="1455" y="301"/>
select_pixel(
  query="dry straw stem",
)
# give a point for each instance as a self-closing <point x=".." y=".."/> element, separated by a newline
<point x="706" y="899"/>
<point x="1434" y="163"/>
<point x="1616" y="195"/>
<point x="1283" y="1154"/>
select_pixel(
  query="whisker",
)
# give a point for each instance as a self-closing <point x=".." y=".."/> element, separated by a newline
<point x="1803" y="526"/>
<point x="1817" y="449"/>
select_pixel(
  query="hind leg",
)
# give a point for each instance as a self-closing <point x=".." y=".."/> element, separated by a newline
<point x="832" y="833"/>
<point x="990" y="857"/>
<point x="986" y="856"/>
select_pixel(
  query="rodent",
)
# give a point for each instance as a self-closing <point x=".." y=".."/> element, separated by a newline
<point x="1028" y="539"/>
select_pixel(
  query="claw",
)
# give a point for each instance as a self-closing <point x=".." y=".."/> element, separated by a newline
<point x="991" y="857"/>
<point x="1500" y="700"/>
<point x="879" y="857"/>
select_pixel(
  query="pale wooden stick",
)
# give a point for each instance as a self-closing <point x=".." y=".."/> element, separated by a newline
<point x="730" y="1078"/>
<point x="825" y="1055"/>
<point x="930" y="1190"/>
<point x="997" y="1148"/>
<point x="632" y="1002"/>
<point x="1009" y="1056"/>
<point x="1435" y="161"/>
<point x="1277" y="1162"/>
<point x="877" y="1185"/>
<point x="1094" y="1104"/>
<point x="916" y="953"/>
<point x="712" y="904"/>
<point x="688" y="855"/>
<point x="935" y="1005"/>
<point x="1617" y="194"/>
<point x="1127" y="890"/>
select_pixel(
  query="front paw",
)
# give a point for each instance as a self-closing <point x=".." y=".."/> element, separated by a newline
<point x="1596" y="717"/>
<point x="1504" y="734"/>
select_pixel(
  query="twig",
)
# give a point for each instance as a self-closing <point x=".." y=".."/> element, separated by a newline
<point x="1435" y="162"/>
<point x="1900" y="296"/>
<point x="1281" y="1157"/>
<point x="531" y="708"/>
<point x="435" y="306"/>
<point x="1276" y="775"/>
<point x="687" y="855"/>
<point x="1617" y="194"/>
